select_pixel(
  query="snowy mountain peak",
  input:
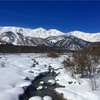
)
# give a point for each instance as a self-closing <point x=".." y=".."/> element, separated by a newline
<point x="39" y="32"/>
<point x="92" y="37"/>
<point x="39" y="29"/>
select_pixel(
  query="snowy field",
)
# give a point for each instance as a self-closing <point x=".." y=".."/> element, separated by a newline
<point x="17" y="71"/>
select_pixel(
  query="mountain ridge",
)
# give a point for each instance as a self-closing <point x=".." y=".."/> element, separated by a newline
<point x="43" y="33"/>
<point x="51" y="38"/>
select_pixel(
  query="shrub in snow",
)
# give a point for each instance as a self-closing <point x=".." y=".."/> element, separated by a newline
<point x="86" y="64"/>
<point x="93" y="83"/>
<point x="47" y="98"/>
<point x="2" y="64"/>
<point x="33" y="65"/>
<point x="36" y="98"/>
<point x="70" y="66"/>
<point x="52" y="54"/>
<point x="74" y="82"/>
<point x="70" y="82"/>
<point x="35" y="62"/>
<point x="45" y="66"/>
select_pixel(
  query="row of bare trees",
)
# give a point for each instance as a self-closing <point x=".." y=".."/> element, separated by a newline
<point x="83" y="65"/>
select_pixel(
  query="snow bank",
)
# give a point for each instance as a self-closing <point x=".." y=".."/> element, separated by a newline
<point x="17" y="71"/>
<point x="76" y="89"/>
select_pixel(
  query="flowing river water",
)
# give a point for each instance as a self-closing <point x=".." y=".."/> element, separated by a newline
<point x="47" y="89"/>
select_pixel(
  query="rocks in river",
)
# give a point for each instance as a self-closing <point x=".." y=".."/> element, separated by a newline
<point x="41" y="82"/>
<point x="51" y="81"/>
<point x="40" y="98"/>
<point x="40" y="88"/>
<point x="52" y="70"/>
<point x="36" y="98"/>
<point x="46" y="87"/>
<point x="47" y="98"/>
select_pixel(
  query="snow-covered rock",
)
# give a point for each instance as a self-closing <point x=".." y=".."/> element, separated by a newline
<point x="40" y="88"/>
<point x="36" y="98"/>
<point x="41" y="82"/>
<point x="47" y="98"/>
<point x="51" y="81"/>
<point x="45" y="87"/>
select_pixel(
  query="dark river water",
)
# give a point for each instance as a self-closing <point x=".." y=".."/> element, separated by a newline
<point x="46" y="90"/>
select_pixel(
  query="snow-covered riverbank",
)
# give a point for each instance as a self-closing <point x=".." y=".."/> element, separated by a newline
<point x="19" y="70"/>
<point x="16" y="73"/>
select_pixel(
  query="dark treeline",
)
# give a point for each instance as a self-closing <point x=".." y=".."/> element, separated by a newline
<point x="10" y="48"/>
<point x="93" y="49"/>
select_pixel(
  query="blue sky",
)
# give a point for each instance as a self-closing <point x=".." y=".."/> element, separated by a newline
<point x="62" y="15"/>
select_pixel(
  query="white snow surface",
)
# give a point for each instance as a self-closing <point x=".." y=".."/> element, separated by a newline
<point x="39" y="32"/>
<point x="16" y="72"/>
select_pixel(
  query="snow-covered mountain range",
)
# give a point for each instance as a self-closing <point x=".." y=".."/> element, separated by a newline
<point x="38" y="33"/>
<point x="43" y="33"/>
<point x="74" y="40"/>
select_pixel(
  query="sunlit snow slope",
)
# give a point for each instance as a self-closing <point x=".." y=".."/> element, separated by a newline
<point x="92" y="37"/>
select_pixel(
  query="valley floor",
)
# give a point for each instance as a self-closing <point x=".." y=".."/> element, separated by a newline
<point x="19" y="70"/>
